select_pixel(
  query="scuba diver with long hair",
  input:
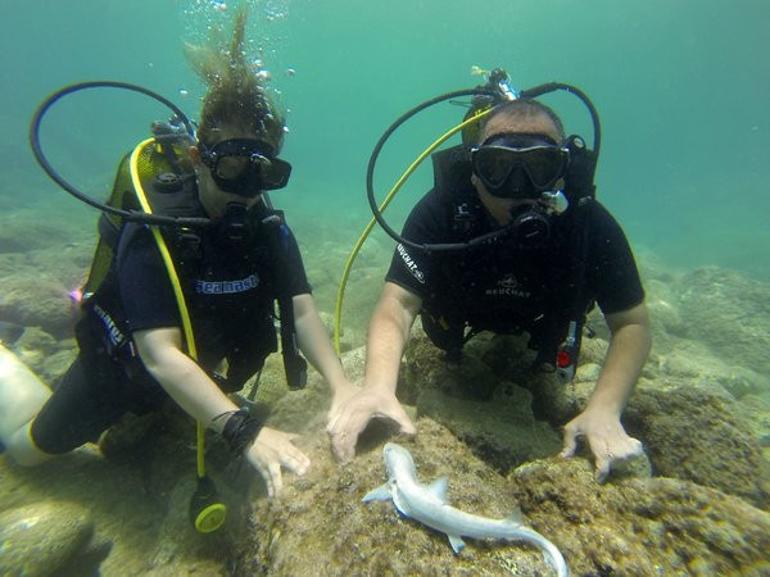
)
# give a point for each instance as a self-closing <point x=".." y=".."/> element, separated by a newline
<point x="133" y="353"/>
<point x="529" y="261"/>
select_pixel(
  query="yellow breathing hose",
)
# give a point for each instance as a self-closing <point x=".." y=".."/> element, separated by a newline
<point x="192" y="350"/>
<point x="388" y="198"/>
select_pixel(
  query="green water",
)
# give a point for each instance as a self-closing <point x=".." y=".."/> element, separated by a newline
<point x="681" y="87"/>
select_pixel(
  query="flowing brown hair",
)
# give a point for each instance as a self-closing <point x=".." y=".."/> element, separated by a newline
<point x="236" y="96"/>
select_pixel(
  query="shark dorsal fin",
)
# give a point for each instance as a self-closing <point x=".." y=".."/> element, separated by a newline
<point x="516" y="516"/>
<point x="439" y="487"/>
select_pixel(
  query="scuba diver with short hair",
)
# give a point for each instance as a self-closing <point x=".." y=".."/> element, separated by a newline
<point x="133" y="353"/>
<point x="522" y="272"/>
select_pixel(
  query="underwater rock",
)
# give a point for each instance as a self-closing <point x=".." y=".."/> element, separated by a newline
<point x="36" y="284"/>
<point x="179" y="550"/>
<point x="43" y="354"/>
<point x="731" y="314"/>
<point x="666" y="320"/>
<point x="321" y="528"/>
<point x="754" y="411"/>
<point x="740" y="382"/>
<point x="642" y="527"/>
<point x="593" y="350"/>
<point x="494" y="417"/>
<point x="626" y="527"/>
<point x="694" y="434"/>
<point x="126" y="437"/>
<point x="501" y="431"/>
<point x="691" y="363"/>
<point x="427" y="367"/>
<point x="56" y="364"/>
<point x="491" y="365"/>
<point x="34" y="299"/>
<point x="588" y="373"/>
<point x="306" y="408"/>
<point x="39" y="540"/>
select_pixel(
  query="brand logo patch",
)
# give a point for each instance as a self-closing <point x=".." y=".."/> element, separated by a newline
<point x="508" y="286"/>
<point x="410" y="264"/>
<point x="116" y="337"/>
<point x="226" y="286"/>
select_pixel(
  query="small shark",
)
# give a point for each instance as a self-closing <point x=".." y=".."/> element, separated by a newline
<point x="428" y="505"/>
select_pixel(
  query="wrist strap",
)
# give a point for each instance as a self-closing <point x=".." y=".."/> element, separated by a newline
<point x="240" y="430"/>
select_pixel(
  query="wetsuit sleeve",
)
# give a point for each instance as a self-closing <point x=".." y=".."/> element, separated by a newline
<point x="146" y="294"/>
<point x="411" y="268"/>
<point x="612" y="273"/>
<point x="294" y="269"/>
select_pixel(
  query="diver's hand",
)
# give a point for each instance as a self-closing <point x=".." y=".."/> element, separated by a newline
<point x="271" y="450"/>
<point x="342" y="392"/>
<point x="606" y="437"/>
<point x="349" y="418"/>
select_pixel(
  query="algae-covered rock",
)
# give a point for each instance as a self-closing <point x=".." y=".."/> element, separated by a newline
<point x="31" y="298"/>
<point x="494" y="417"/>
<point x="642" y="527"/>
<point x="321" y="528"/>
<point x="38" y="540"/>
<point x="627" y="527"/>
<point x="179" y="550"/>
<point x="693" y="433"/>
<point x="305" y="409"/>
<point x="501" y="431"/>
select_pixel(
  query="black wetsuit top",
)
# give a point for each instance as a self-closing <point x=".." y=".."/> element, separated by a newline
<point x="230" y="292"/>
<point x="505" y="287"/>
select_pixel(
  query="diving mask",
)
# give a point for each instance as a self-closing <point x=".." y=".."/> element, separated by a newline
<point x="519" y="165"/>
<point x="245" y="166"/>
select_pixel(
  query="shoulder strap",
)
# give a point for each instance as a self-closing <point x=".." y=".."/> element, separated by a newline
<point x="580" y="174"/>
<point x="451" y="178"/>
<point x="573" y="315"/>
<point x="294" y="364"/>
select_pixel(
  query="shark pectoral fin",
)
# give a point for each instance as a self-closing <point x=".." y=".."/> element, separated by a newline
<point x="439" y="487"/>
<point x="381" y="493"/>
<point x="457" y="543"/>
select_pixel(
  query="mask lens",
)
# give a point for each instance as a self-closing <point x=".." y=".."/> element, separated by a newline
<point x="275" y="174"/>
<point x="494" y="164"/>
<point x="231" y="167"/>
<point x="544" y="164"/>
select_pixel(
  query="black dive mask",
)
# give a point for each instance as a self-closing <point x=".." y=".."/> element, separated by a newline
<point x="245" y="167"/>
<point x="519" y="166"/>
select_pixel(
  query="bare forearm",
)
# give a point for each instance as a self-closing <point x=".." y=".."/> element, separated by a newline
<point x="314" y="342"/>
<point x="191" y="388"/>
<point x="628" y="351"/>
<point x="388" y="334"/>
